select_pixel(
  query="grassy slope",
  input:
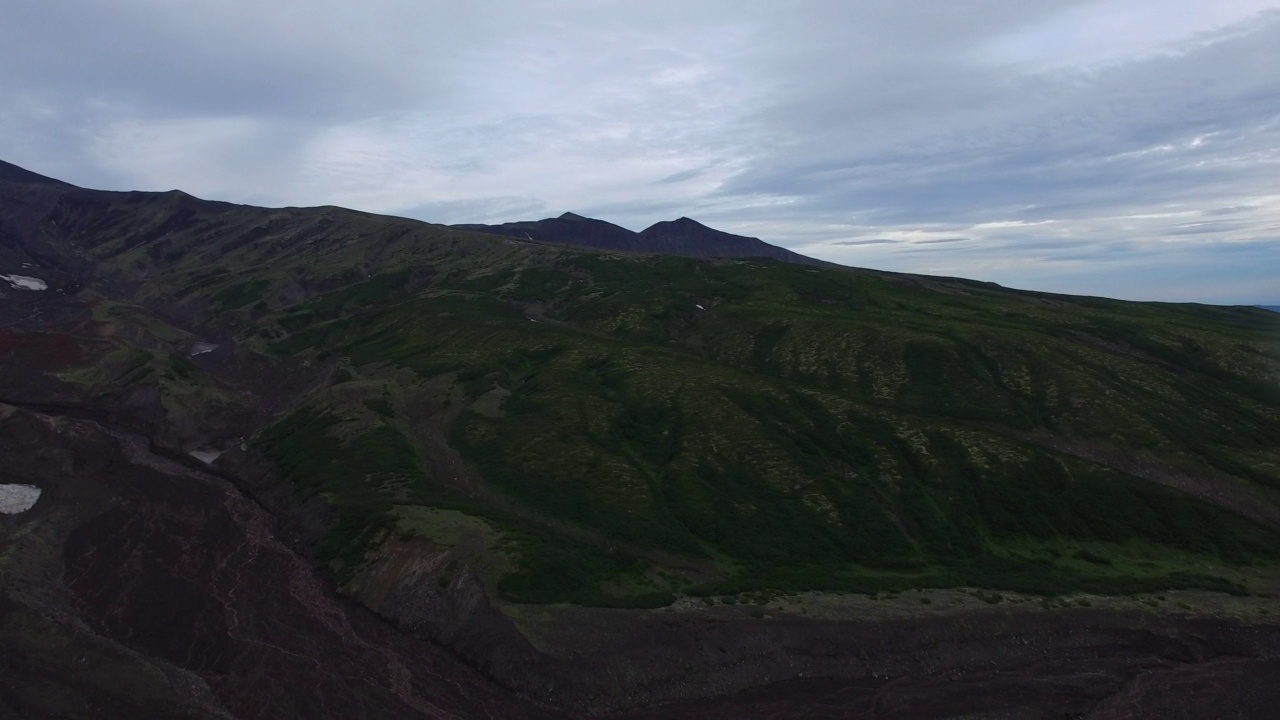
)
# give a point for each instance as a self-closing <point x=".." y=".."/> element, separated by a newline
<point x="817" y="429"/>
<point x="804" y="429"/>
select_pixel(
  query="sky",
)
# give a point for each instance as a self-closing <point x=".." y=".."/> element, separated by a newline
<point x="1124" y="148"/>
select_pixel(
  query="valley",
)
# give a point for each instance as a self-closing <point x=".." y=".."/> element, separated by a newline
<point x="311" y="462"/>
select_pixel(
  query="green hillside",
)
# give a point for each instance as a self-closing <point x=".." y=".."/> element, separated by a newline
<point x="803" y="429"/>
<point x="630" y="427"/>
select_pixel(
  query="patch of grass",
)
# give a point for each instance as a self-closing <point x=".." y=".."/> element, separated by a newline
<point x="357" y="475"/>
<point x="564" y="571"/>
<point x="234" y="297"/>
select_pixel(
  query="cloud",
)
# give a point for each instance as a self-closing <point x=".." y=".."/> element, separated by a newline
<point x="487" y="210"/>
<point x="873" y="241"/>
<point x="1129" y="134"/>
<point x="1208" y="228"/>
<point x="681" y="176"/>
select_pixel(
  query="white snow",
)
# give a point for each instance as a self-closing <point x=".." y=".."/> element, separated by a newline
<point x="22" y="282"/>
<point x="699" y="307"/>
<point x="18" y="498"/>
<point x="206" y="455"/>
<point x="202" y="348"/>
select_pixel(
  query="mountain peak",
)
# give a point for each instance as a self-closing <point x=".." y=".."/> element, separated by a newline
<point x="683" y="236"/>
<point x="682" y="223"/>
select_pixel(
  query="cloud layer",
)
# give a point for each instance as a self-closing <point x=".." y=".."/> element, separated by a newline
<point x="1113" y="147"/>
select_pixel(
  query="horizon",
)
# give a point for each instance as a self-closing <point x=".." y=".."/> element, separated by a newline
<point x="1266" y="305"/>
<point x="1089" y="147"/>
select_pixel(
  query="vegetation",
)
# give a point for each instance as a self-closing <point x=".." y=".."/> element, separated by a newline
<point x="818" y="429"/>
<point x="658" y="425"/>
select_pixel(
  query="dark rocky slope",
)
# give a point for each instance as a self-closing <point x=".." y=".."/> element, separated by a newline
<point x="139" y="586"/>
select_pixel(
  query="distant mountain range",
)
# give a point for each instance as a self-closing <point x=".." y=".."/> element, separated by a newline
<point x="684" y="237"/>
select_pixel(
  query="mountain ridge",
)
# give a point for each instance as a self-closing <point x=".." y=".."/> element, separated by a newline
<point x="16" y="174"/>
<point x="684" y="237"/>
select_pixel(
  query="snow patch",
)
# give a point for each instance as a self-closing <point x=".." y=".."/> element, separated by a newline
<point x="206" y="455"/>
<point x="699" y="307"/>
<point x="202" y="348"/>
<point x="17" y="498"/>
<point x="22" y="282"/>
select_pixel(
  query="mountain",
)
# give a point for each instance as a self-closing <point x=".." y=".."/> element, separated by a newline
<point x="310" y="462"/>
<point x="683" y="237"/>
<point x="692" y="239"/>
<point x="568" y="229"/>
<point x="10" y="173"/>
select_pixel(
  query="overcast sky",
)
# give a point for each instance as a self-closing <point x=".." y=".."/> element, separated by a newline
<point x="1127" y="148"/>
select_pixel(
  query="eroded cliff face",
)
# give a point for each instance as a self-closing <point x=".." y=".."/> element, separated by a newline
<point x="434" y="592"/>
<point x="924" y="654"/>
<point x="870" y="658"/>
<point x="140" y="587"/>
